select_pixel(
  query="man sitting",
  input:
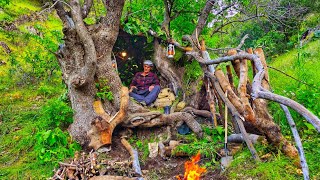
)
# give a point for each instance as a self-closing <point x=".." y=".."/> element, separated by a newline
<point x="145" y="87"/>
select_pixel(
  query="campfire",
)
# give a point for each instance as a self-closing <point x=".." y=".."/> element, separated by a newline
<point x="192" y="170"/>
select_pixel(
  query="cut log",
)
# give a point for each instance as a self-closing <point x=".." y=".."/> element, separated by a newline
<point x="167" y="119"/>
<point x="235" y="100"/>
<point x="238" y="138"/>
<point x="191" y="110"/>
<point x="230" y="77"/>
<point x="212" y="104"/>
<point x="242" y="89"/>
<point x="254" y="69"/>
<point x="237" y="116"/>
<point x="210" y="93"/>
<point x="235" y="63"/>
<point x="219" y="105"/>
<point x="259" y="52"/>
<point x="101" y="132"/>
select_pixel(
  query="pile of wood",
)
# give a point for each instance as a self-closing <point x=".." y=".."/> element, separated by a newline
<point x="90" y="166"/>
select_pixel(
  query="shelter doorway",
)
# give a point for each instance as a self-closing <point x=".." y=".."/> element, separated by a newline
<point x="129" y="52"/>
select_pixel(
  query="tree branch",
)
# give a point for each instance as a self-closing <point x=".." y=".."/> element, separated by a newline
<point x="86" y="8"/>
<point x="230" y="22"/>
<point x="134" y="156"/>
<point x="203" y="19"/>
<point x="258" y="91"/>
<point x="63" y="14"/>
<point x="90" y="58"/>
<point x="242" y="41"/>
<point x="297" y="139"/>
<point x="165" y="26"/>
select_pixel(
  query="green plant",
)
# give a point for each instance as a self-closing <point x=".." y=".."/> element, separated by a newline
<point x="208" y="145"/>
<point x="3" y="3"/>
<point x="57" y="113"/>
<point x="277" y="166"/>
<point x="54" y="146"/>
<point x="127" y="73"/>
<point x="215" y="133"/>
<point x="192" y="72"/>
<point x="46" y="90"/>
<point x="104" y="91"/>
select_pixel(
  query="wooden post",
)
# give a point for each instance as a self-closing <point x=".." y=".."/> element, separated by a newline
<point x="230" y="77"/>
<point x="237" y="117"/>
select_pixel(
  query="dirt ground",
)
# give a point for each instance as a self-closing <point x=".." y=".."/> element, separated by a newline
<point x="157" y="168"/>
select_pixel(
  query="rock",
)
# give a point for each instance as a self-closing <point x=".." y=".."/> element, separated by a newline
<point x="2" y="63"/>
<point x="165" y="98"/>
<point x="180" y="105"/>
<point x="164" y="93"/>
<point x="153" y="149"/>
<point x="173" y="143"/>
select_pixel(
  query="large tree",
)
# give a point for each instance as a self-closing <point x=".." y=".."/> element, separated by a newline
<point x="86" y="59"/>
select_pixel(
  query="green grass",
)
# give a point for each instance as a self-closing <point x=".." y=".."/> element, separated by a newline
<point x="21" y="121"/>
<point x="304" y="67"/>
<point x="32" y="142"/>
<point x="277" y="166"/>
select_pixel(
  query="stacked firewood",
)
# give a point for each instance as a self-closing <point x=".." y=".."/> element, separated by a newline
<point x="89" y="166"/>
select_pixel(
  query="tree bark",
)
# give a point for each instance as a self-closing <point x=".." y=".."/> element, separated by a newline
<point x="86" y="58"/>
<point x="171" y="73"/>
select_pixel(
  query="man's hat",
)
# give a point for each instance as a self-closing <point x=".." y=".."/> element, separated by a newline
<point x="148" y="62"/>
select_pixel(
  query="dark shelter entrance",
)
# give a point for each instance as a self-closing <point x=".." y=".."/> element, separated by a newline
<point x="129" y="52"/>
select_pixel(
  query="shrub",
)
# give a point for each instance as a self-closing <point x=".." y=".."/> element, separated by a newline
<point x="54" y="146"/>
<point x="57" y="113"/>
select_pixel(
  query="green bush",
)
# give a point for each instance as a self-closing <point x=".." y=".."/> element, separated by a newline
<point x="3" y="3"/>
<point x="46" y="90"/>
<point x="57" y="113"/>
<point x="104" y="91"/>
<point x="54" y="146"/>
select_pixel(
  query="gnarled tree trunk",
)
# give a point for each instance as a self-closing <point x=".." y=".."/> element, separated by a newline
<point x="85" y="59"/>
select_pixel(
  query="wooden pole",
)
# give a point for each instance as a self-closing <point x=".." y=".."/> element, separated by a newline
<point x="237" y="116"/>
<point x="297" y="139"/>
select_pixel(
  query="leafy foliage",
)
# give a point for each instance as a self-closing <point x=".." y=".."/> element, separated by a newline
<point x="53" y="146"/>
<point x="4" y="3"/>
<point x="208" y="145"/>
<point x="142" y="15"/>
<point x="104" y="90"/>
<point x="192" y="72"/>
<point x="57" y="113"/>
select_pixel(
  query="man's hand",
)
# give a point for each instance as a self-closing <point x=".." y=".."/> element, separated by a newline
<point x="131" y="88"/>
<point x="150" y="88"/>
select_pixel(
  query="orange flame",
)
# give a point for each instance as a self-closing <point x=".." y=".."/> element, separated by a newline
<point x="192" y="170"/>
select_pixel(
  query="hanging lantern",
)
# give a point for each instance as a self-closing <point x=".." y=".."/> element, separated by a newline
<point x="114" y="64"/>
<point x="123" y="54"/>
<point x="170" y="51"/>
